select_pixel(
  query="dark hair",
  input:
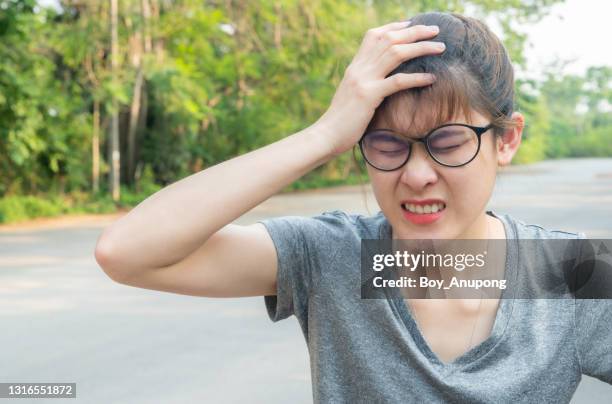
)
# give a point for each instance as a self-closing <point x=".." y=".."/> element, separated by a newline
<point x="474" y="72"/>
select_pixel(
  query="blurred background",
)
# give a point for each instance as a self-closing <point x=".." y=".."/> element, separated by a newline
<point x="170" y="87"/>
<point x="103" y="102"/>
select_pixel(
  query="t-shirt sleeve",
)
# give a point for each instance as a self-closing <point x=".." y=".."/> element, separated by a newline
<point x="594" y="333"/>
<point x="594" y="336"/>
<point x="294" y="271"/>
<point x="302" y="245"/>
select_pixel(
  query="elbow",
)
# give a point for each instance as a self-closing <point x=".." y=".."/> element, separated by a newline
<point x="106" y="256"/>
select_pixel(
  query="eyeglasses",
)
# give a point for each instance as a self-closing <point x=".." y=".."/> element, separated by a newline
<point x="451" y="145"/>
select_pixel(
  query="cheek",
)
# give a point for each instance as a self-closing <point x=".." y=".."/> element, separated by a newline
<point x="383" y="185"/>
<point x="471" y="188"/>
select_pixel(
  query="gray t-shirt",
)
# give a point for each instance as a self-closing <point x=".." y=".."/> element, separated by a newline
<point x="371" y="350"/>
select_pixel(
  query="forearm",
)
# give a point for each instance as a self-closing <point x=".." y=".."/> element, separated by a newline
<point x="172" y="223"/>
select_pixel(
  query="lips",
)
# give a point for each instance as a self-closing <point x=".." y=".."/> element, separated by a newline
<point x="423" y="211"/>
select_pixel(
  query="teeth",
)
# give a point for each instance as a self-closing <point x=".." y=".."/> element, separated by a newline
<point x="424" y="209"/>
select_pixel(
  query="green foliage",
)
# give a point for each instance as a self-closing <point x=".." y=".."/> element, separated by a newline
<point x="537" y="124"/>
<point x="597" y="142"/>
<point x="220" y="79"/>
<point x="582" y="111"/>
<point x="42" y="135"/>
<point x="17" y="208"/>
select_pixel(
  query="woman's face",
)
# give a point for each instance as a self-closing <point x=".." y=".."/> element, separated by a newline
<point x="464" y="191"/>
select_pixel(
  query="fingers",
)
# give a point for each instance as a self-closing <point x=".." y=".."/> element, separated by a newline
<point x="403" y="81"/>
<point x="412" y="34"/>
<point x="384" y="40"/>
<point x="392" y="26"/>
<point x="397" y="54"/>
<point x="382" y="50"/>
<point x="369" y="41"/>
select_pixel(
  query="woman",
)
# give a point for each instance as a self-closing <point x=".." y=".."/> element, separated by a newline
<point x="433" y="132"/>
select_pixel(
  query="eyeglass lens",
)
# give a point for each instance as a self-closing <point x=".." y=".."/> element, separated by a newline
<point x="453" y="145"/>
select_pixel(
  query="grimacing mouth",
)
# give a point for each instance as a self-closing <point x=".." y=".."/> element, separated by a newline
<point x="424" y="209"/>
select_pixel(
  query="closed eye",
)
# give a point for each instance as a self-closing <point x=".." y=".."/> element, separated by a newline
<point x="447" y="148"/>
<point x="391" y="151"/>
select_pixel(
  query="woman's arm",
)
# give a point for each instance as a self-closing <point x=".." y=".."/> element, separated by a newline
<point x="171" y="224"/>
<point x="180" y="239"/>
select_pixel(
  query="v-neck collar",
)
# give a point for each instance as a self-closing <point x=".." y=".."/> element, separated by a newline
<point x="502" y="317"/>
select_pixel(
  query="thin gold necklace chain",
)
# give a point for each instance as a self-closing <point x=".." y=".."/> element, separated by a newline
<point x="479" y="304"/>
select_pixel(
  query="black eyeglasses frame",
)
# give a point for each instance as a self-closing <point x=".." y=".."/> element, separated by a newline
<point x="479" y="130"/>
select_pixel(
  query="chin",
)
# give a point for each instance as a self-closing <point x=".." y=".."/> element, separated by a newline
<point x="407" y="231"/>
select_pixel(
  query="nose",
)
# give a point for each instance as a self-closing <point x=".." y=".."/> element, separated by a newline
<point x="419" y="170"/>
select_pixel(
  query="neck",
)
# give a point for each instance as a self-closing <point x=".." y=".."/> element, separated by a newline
<point x="484" y="228"/>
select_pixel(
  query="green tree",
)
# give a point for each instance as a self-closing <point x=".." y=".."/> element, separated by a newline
<point x="198" y="82"/>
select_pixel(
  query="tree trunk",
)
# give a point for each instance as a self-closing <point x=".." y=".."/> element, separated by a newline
<point x="95" y="148"/>
<point x="142" y="39"/>
<point x="145" y="8"/>
<point x="158" y="42"/>
<point x="139" y="135"/>
<point x="114" y="127"/>
<point x="133" y="125"/>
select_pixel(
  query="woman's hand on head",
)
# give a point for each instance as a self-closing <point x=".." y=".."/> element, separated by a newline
<point x="365" y="85"/>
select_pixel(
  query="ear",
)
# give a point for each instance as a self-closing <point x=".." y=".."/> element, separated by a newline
<point x="508" y="144"/>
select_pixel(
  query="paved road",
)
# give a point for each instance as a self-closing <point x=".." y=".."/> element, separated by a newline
<point x="63" y="320"/>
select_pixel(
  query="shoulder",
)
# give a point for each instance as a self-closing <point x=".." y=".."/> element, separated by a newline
<point x="525" y="230"/>
<point x="362" y="226"/>
<point x="335" y="224"/>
